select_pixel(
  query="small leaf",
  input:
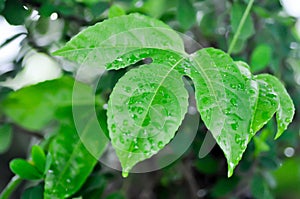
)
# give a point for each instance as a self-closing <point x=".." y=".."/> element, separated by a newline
<point x="260" y="57"/>
<point x="67" y="175"/>
<point x="33" y="192"/>
<point x="24" y="169"/>
<point x="286" y="109"/>
<point x="5" y="137"/>
<point x="119" y="35"/>
<point x="235" y="17"/>
<point x="38" y="158"/>
<point x="115" y="11"/>
<point x="186" y="13"/>
<point x="144" y="111"/>
<point x="266" y="106"/>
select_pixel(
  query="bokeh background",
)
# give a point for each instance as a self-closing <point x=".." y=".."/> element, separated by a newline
<point x="270" y="42"/>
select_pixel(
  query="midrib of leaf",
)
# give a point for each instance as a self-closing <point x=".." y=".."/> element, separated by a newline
<point x="211" y="89"/>
<point x="151" y="101"/>
<point x="117" y="46"/>
<point x="73" y="155"/>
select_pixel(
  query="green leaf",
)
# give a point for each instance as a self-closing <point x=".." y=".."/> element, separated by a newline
<point x="223" y="96"/>
<point x="115" y="11"/>
<point x="33" y="192"/>
<point x="259" y="188"/>
<point x="186" y="14"/>
<point x="225" y="90"/>
<point x="2" y="5"/>
<point x="38" y="158"/>
<point x="14" y="12"/>
<point x="154" y="108"/>
<point x="286" y="109"/>
<point x="266" y="106"/>
<point x="235" y="17"/>
<point x="122" y="35"/>
<point x="224" y="186"/>
<point x="260" y="57"/>
<point x="5" y="137"/>
<point x="41" y="101"/>
<point x="73" y="163"/>
<point x="24" y="169"/>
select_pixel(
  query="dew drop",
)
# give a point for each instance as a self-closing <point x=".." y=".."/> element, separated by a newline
<point x="160" y="144"/>
<point x="233" y="102"/>
<point x="125" y="174"/>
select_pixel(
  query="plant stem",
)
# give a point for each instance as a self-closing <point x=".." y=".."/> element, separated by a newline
<point x="12" y="185"/>
<point x="241" y="24"/>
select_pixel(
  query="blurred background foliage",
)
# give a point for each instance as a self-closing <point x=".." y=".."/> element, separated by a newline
<point x="35" y="113"/>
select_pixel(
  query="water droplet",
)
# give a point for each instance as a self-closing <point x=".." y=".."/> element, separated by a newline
<point x="234" y="125"/>
<point x="241" y="86"/>
<point x="233" y="102"/>
<point x="113" y="128"/>
<point x="119" y="59"/>
<point x="227" y="111"/>
<point x="160" y="144"/>
<point x="234" y="86"/>
<point x="237" y="138"/>
<point x="125" y="174"/>
<point x="140" y="110"/>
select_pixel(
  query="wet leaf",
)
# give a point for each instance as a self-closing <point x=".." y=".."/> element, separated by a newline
<point x="144" y="112"/>
<point x="223" y="98"/>
<point x="122" y="35"/>
<point x="72" y="163"/>
<point x="286" y="109"/>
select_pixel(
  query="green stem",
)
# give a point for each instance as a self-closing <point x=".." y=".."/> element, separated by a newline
<point x="12" y="186"/>
<point x="241" y="24"/>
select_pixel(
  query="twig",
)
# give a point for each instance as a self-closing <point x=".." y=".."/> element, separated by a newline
<point x="12" y="186"/>
<point x="241" y="24"/>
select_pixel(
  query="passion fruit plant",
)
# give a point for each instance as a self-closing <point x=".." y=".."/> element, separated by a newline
<point x="146" y="106"/>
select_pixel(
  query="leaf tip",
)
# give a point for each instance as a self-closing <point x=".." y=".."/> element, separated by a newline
<point x="231" y="167"/>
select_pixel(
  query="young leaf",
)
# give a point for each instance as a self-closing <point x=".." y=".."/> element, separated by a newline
<point x="72" y="165"/>
<point x="38" y="158"/>
<point x="186" y="13"/>
<point x="223" y="98"/>
<point x="144" y="112"/>
<point x="5" y="137"/>
<point x="115" y="11"/>
<point x="260" y="57"/>
<point x="33" y="192"/>
<point x="122" y="35"/>
<point x="24" y="169"/>
<point x="286" y="109"/>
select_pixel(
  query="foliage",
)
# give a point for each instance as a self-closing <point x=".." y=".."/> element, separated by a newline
<point x="141" y="104"/>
